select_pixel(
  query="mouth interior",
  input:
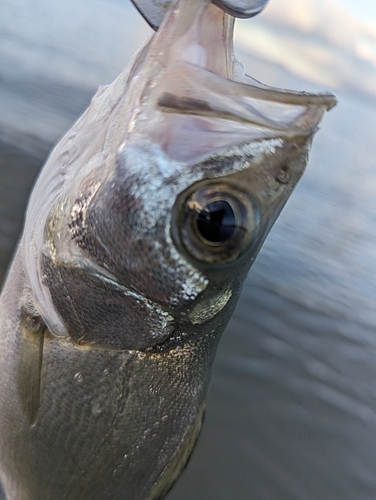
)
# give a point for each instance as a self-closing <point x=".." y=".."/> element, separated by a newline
<point x="192" y="107"/>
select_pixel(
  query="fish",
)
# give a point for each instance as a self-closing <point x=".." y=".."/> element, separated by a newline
<point x="139" y="234"/>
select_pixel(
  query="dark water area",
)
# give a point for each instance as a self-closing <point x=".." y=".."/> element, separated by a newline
<point x="14" y="191"/>
<point x="292" y="406"/>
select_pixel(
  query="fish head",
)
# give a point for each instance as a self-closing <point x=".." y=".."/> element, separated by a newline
<point x="171" y="182"/>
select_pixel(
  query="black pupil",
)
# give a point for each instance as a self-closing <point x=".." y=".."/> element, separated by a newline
<point x="216" y="223"/>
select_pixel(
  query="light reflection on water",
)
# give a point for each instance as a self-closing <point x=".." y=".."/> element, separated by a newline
<point x="291" y="410"/>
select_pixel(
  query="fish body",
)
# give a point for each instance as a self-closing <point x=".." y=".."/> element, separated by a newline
<point x="138" y="237"/>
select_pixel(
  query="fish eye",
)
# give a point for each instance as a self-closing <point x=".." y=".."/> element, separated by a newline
<point x="216" y="222"/>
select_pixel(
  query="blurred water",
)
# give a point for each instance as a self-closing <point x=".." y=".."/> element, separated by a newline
<point x="292" y="406"/>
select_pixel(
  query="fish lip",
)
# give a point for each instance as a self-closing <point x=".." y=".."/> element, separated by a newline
<point x="154" y="13"/>
<point x="170" y="103"/>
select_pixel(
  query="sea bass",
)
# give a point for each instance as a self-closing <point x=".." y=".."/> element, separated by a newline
<point x="138" y="237"/>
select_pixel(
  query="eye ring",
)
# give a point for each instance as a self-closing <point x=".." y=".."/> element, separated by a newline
<point x="216" y="222"/>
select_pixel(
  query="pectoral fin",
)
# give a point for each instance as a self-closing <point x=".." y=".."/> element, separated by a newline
<point x="179" y="462"/>
<point x="29" y="374"/>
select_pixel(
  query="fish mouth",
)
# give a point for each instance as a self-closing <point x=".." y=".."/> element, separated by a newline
<point x="194" y="101"/>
